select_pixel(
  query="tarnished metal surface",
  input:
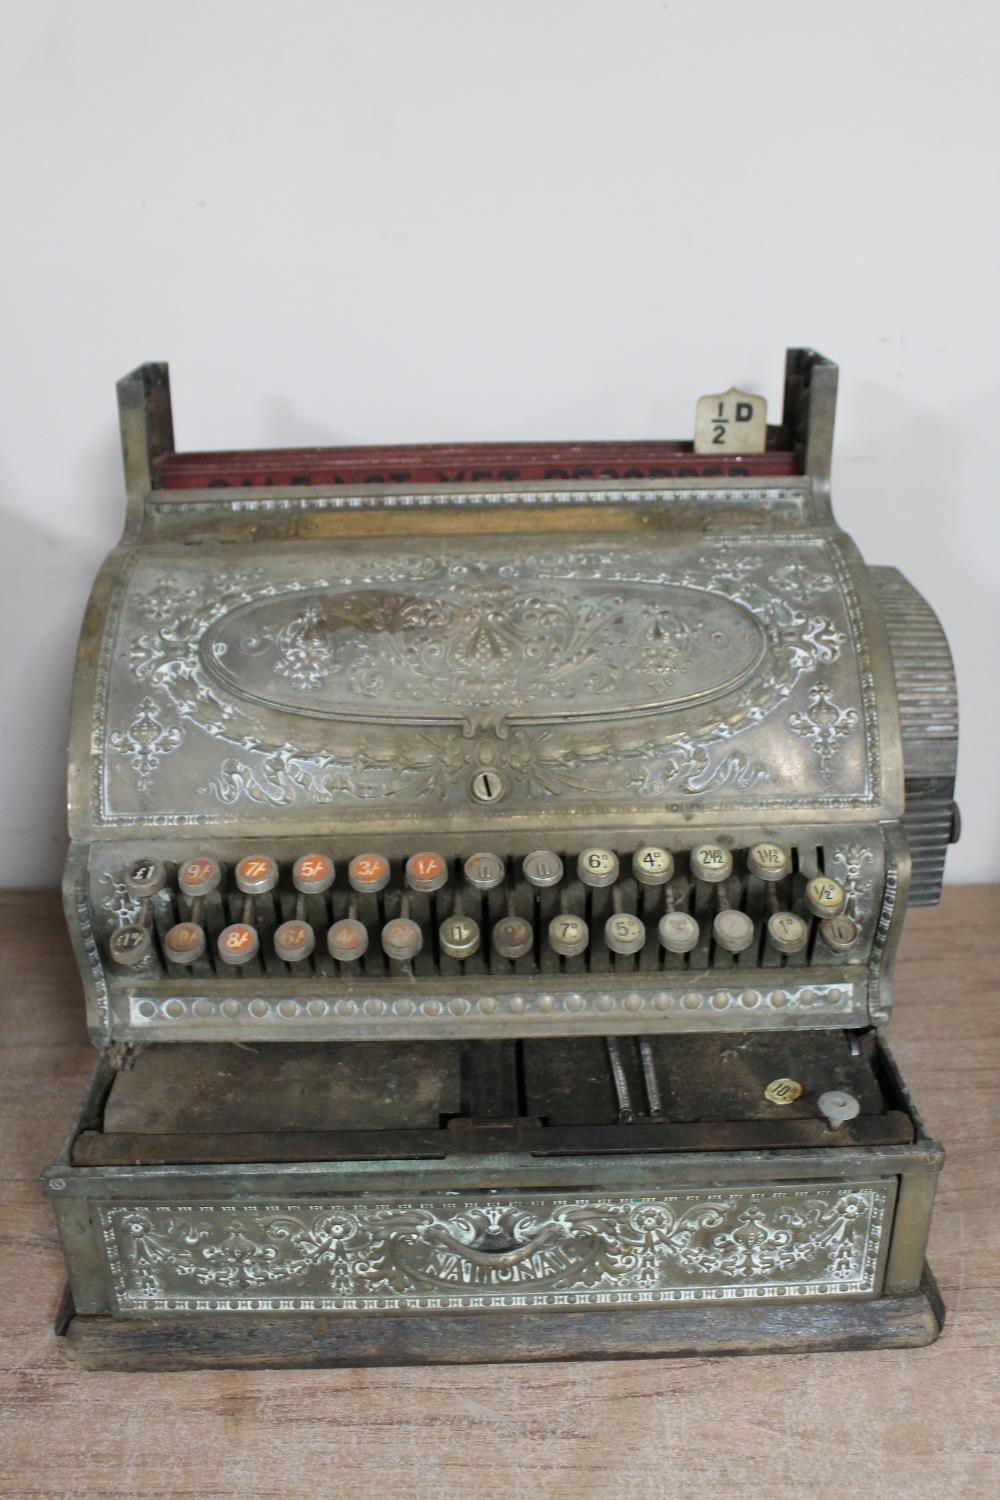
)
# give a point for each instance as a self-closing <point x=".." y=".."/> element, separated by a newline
<point x="369" y="683"/>
<point x="381" y="1255"/>
<point x="568" y="669"/>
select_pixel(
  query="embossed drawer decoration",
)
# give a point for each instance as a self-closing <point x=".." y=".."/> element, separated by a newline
<point x="462" y="1253"/>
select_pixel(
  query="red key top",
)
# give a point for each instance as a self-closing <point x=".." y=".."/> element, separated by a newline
<point x="238" y="944"/>
<point x="184" y="943"/>
<point x="426" y="872"/>
<point x="368" y="872"/>
<point x="256" y="874"/>
<point x="347" y="940"/>
<point x="294" y="941"/>
<point x="312" y="874"/>
<point x="199" y="876"/>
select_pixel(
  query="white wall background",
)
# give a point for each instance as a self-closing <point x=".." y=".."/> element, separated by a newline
<point x="366" y="220"/>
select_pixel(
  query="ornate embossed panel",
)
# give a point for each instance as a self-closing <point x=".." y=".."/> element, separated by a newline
<point x="485" y="1252"/>
<point x="731" y="674"/>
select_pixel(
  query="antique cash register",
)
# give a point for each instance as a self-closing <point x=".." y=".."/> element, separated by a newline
<point x="487" y="864"/>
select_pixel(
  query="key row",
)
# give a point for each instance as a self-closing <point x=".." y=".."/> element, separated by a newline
<point x="402" y="939"/>
<point x="427" y="871"/>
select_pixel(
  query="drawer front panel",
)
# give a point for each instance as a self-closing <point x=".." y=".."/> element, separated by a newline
<point x="459" y="1252"/>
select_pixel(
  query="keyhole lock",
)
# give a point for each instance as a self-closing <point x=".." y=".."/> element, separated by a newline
<point x="487" y="786"/>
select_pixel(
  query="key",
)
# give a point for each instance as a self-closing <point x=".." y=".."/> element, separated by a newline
<point x="484" y="871"/>
<point x="597" y="867"/>
<point x="787" y="931"/>
<point x="144" y="877"/>
<point x="426" y="872"/>
<point x="401" y="939"/>
<point x="200" y="876"/>
<point x="825" y="897"/>
<point x="312" y="874"/>
<point x="294" y="941"/>
<point x="513" y="937"/>
<point x="769" y="861"/>
<point x="679" y="932"/>
<point x="711" y="862"/>
<point x="838" y="1107"/>
<point x="347" y="940"/>
<point x="542" y="868"/>
<point x="459" y="936"/>
<point x="368" y="872"/>
<point x="839" y="933"/>
<point x="624" y="933"/>
<point x="732" y="930"/>
<point x="652" y="866"/>
<point x="130" y="945"/>
<point x="238" y="944"/>
<point x="256" y="874"/>
<point x="184" y="943"/>
<point x="568" y="935"/>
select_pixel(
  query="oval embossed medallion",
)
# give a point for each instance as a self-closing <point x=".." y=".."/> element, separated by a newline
<point x="485" y="653"/>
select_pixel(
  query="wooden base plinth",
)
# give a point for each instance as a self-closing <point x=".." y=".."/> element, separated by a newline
<point x="244" y="1341"/>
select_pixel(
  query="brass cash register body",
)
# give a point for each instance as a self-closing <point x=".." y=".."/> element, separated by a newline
<point x="486" y="870"/>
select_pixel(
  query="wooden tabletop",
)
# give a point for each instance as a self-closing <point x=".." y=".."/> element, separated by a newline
<point x="921" y="1423"/>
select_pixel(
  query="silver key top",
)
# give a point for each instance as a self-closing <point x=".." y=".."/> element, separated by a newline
<point x="130" y="945"/>
<point x="542" y="868"/>
<point x="144" y="877"/>
<point x="732" y="930"/>
<point x="711" y="862"/>
<point x="839" y="933"/>
<point x="652" y="865"/>
<point x="568" y="935"/>
<point x="597" y="867"/>
<point x="513" y="937"/>
<point x="787" y="931"/>
<point x="825" y="897"/>
<point x="459" y="936"/>
<point x="484" y="872"/>
<point x="679" y="932"/>
<point x="624" y="933"/>
<point x="769" y="861"/>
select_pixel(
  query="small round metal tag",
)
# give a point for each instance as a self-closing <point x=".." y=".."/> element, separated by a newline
<point x="783" y="1091"/>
